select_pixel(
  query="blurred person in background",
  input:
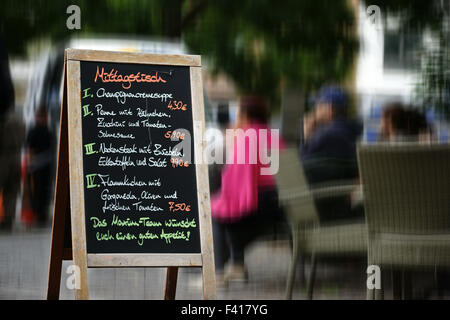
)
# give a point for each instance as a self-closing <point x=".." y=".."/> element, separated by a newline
<point x="402" y="124"/>
<point x="393" y="123"/>
<point x="39" y="157"/>
<point x="11" y="140"/>
<point x="328" y="150"/>
<point x="215" y="169"/>
<point x="247" y="203"/>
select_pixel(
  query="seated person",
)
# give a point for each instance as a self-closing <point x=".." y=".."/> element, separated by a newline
<point x="247" y="201"/>
<point x="328" y="151"/>
<point x="403" y="124"/>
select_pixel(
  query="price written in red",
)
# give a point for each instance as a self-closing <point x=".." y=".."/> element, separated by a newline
<point x="177" y="105"/>
<point x="174" y="135"/>
<point x="178" y="162"/>
<point x="174" y="207"/>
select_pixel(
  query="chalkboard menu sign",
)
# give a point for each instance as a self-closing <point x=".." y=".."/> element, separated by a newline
<point x="140" y="195"/>
<point x="132" y="128"/>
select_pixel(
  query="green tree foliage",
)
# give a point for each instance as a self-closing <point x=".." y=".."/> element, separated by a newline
<point x="25" y="20"/>
<point x="433" y="89"/>
<point x="259" y="44"/>
<point x="264" y="44"/>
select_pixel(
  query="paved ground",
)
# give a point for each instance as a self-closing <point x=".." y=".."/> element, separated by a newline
<point x="24" y="256"/>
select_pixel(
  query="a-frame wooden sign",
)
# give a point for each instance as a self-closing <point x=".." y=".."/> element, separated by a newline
<point x="129" y="193"/>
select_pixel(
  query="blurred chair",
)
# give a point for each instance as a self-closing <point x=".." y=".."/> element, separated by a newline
<point x="309" y="236"/>
<point x="406" y="191"/>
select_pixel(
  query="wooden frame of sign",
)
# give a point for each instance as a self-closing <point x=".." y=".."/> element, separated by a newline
<point x="69" y="202"/>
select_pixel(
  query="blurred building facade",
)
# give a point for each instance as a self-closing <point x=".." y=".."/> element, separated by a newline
<point x="389" y="70"/>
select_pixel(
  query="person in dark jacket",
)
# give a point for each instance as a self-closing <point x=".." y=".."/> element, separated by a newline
<point x="328" y="150"/>
<point x="11" y="140"/>
<point x="6" y="84"/>
<point x="40" y="153"/>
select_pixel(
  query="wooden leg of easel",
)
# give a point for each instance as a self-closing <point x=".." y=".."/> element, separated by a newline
<point x="206" y="237"/>
<point x="60" y="206"/>
<point x="79" y="249"/>
<point x="170" y="288"/>
<point x="56" y="256"/>
<point x="209" y="278"/>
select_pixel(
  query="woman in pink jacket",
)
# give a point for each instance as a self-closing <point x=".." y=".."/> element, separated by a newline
<point x="247" y="202"/>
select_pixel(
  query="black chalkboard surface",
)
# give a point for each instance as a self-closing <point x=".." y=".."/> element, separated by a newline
<point x="140" y="193"/>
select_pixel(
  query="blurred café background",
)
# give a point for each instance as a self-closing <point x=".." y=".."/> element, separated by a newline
<point x="381" y="53"/>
